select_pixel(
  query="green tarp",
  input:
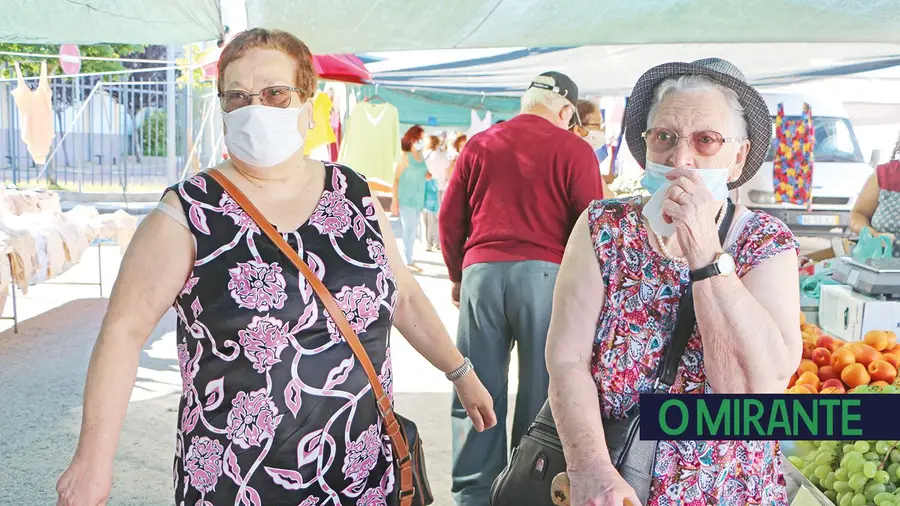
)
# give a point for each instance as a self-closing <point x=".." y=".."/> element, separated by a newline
<point x="109" y="21"/>
<point x="396" y="25"/>
<point x="442" y="109"/>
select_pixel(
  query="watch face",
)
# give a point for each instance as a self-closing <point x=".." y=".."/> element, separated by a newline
<point x="725" y="263"/>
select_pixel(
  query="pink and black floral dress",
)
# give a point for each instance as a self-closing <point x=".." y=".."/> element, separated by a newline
<point x="643" y="290"/>
<point x="275" y="408"/>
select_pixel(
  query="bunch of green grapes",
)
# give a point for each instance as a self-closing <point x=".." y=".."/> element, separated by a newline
<point x="860" y="473"/>
<point x="869" y="389"/>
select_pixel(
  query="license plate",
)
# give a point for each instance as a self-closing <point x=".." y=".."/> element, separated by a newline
<point x="820" y="220"/>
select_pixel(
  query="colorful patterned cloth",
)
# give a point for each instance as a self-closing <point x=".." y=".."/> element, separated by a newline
<point x="643" y="290"/>
<point x="793" y="164"/>
<point x="275" y="408"/>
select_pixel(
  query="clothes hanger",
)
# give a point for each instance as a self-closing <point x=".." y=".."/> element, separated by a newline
<point x="480" y="106"/>
<point x="376" y="96"/>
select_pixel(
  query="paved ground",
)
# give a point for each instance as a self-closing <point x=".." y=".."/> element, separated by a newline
<point x="42" y="373"/>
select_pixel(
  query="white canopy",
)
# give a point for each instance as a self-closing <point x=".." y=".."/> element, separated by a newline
<point x="613" y="70"/>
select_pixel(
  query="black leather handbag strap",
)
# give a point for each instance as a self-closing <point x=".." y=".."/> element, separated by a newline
<point x="686" y="320"/>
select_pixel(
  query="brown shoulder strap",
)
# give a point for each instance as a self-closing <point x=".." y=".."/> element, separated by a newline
<point x="384" y="403"/>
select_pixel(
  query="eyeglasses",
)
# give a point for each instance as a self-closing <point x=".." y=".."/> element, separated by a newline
<point x="702" y="143"/>
<point x="594" y="126"/>
<point x="273" y="96"/>
<point x="575" y="120"/>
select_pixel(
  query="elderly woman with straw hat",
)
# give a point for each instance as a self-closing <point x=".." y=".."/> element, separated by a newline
<point x="699" y="130"/>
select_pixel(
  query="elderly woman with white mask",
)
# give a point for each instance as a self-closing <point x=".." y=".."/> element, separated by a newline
<point x="699" y="130"/>
<point x="276" y="408"/>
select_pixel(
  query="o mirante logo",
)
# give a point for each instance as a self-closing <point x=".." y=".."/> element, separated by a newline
<point x="767" y="417"/>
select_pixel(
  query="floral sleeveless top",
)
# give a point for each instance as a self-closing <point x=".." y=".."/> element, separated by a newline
<point x="275" y="408"/>
<point x="887" y="214"/>
<point x="643" y="290"/>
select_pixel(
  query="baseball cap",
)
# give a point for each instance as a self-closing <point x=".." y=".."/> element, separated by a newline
<point x="562" y="85"/>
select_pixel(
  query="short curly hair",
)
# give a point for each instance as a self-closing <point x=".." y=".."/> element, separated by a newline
<point x="261" y="38"/>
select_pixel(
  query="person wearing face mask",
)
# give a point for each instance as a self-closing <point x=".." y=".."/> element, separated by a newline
<point x="438" y="162"/>
<point x="513" y="197"/>
<point x="593" y="131"/>
<point x="409" y="189"/>
<point x="275" y="409"/>
<point x="698" y="129"/>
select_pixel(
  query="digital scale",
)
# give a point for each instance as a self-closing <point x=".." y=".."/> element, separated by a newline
<point x="876" y="278"/>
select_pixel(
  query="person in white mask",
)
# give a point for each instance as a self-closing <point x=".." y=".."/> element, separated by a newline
<point x="275" y="409"/>
<point x="699" y="130"/>
<point x="593" y="131"/>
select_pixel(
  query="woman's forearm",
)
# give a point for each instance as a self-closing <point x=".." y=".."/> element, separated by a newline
<point x="110" y="381"/>
<point x="576" y="411"/>
<point x="744" y="350"/>
<point x="859" y="221"/>
<point x="420" y="324"/>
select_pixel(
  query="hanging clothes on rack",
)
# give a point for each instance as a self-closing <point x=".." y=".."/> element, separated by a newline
<point x="35" y="114"/>
<point x="793" y="163"/>
<point x="371" y="142"/>
<point x="335" y="146"/>
<point x="479" y="124"/>
<point x="321" y="134"/>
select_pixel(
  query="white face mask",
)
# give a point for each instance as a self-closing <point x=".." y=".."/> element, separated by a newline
<point x="596" y="138"/>
<point x="263" y="136"/>
<point x="419" y="145"/>
<point x="716" y="180"/>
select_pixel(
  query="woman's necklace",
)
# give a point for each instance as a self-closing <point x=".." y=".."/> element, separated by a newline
<point x="681" y="260"/>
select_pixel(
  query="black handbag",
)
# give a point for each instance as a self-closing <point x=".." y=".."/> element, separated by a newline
<point x="539" y="457"/>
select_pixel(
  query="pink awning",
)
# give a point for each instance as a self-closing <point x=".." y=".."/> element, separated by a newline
<point x="337" y="67"/>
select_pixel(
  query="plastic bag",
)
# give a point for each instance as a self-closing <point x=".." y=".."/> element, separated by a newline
<point x="873" y="247"/>
<point x="431" y="195"/>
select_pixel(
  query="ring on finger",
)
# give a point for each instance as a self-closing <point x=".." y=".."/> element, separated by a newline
<point x="684" y="198"/>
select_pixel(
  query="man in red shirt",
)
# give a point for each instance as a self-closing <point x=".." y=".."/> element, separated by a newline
<point x="512" y="201"/>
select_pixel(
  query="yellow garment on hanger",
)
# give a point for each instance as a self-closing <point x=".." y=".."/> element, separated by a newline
<point x="35" y="114"/>
<point x="321" y="134"/>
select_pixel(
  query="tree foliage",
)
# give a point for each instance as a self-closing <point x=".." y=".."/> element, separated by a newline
<point x="32" y="65"/>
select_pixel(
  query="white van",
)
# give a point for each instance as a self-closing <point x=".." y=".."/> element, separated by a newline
<point x="839" y="170"/>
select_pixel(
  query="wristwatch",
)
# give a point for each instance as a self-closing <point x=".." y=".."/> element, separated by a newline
<point x="460" y="371"/>
<point x="723" y="266"/>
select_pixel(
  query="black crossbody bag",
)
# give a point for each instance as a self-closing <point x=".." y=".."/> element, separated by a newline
<point x="539" y="457"/>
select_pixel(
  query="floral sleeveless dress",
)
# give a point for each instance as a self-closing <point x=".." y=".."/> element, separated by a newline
<point x="643" y="290"/>
<point x="275" y="408"/>
<point x="887" y="214"/>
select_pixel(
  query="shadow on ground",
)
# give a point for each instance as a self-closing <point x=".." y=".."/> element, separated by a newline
<point x="42" y="373"/>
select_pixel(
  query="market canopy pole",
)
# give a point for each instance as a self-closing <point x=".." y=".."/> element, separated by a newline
<point x="111" y="21"/>
<point x="171" y="159"/>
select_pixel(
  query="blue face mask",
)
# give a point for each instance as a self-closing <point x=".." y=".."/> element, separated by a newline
<point x="654" y="177"/>
<point x="716" y="180"/>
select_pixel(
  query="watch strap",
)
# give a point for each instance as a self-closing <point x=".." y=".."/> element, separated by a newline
<point x="713" y="269"/>
<point x="707" y="272"/>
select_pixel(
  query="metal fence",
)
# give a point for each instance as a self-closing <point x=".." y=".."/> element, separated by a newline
<point x="109" y="136"/>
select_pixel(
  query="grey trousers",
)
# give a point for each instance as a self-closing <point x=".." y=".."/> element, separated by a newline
<point x="501" y="304"/>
